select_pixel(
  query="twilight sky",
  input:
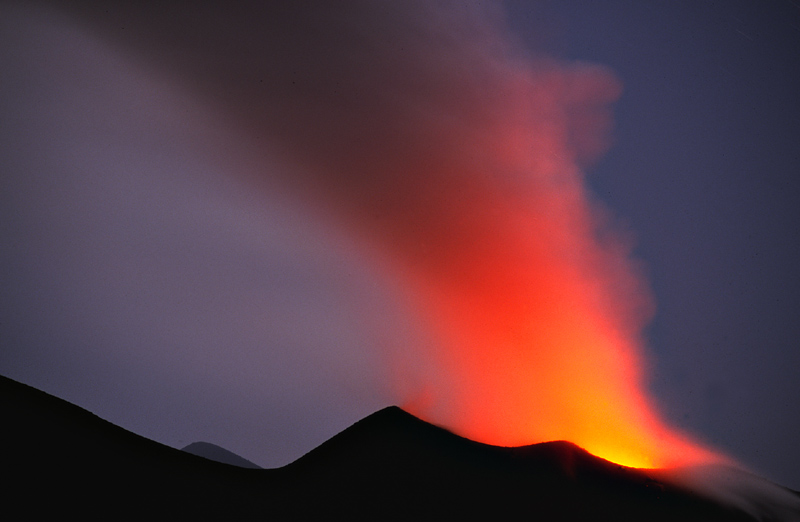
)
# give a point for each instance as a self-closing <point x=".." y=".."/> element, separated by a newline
<point x="177" y="260"/>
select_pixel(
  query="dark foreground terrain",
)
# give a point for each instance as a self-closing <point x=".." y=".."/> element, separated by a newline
<point x="60" y="460"/>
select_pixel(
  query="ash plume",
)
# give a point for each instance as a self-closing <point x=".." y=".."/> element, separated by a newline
<point x="455" y="159"/>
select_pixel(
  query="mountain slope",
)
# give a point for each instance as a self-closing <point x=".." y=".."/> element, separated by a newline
<point x="217" y="454"/>
<point x="412" y="468"/>
<point x="61" y="459"/>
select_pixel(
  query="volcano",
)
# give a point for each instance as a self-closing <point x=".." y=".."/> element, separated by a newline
<point x="58" y="458"/>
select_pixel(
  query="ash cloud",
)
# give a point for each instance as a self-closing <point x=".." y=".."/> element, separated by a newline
<point x="453" y="158"/>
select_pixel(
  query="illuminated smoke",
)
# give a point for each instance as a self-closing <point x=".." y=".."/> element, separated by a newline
<point x="455" y="156"/>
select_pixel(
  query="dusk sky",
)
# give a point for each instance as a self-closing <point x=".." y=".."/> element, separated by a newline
<point x="195" y="260"/>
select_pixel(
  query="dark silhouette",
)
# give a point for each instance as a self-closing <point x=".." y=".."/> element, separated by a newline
<point x="217" y="454"/>
<point x="59" y="459"/>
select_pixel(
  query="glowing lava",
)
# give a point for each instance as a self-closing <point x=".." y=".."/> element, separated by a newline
<point x="536" y="326"/>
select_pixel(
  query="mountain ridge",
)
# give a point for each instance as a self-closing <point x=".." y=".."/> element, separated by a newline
<point x="211" y="451"/>
<point x="389" y="465"/>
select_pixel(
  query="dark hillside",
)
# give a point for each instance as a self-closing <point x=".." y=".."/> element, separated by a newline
<point x="217" y="454"/>
<point x="58" y="459"/>
<point x="397" y="464"/>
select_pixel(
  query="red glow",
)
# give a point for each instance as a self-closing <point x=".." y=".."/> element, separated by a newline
<point x="531" y="348"/>
<point x="536" y="310"/>
<point x="457" y="157"/>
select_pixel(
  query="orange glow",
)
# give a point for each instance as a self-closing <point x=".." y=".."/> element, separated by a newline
<point x="457" y="157"/>
<point x="533" y="354"/>
<point x="535" y="310"/>
<point x="532" y="351"/>
<point x="536" y="314"/>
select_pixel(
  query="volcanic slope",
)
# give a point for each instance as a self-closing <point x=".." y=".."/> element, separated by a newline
<point x="58" y="459"/>
<point x="213" y="452"/>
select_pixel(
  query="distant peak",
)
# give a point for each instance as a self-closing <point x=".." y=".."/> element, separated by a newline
<point x="218" y="454"/>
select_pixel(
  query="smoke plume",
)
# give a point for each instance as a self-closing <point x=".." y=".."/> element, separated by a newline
<point x="456" y="159"/>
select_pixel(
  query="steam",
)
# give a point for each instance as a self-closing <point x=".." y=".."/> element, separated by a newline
<point x="736" y="487"/>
